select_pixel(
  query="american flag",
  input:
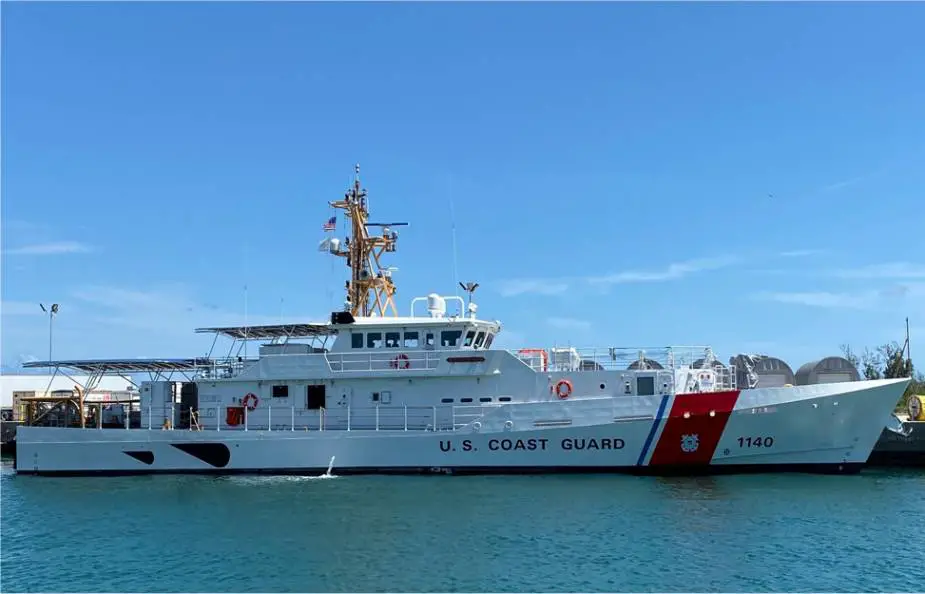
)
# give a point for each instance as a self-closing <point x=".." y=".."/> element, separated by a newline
<point x="330" y="225"/>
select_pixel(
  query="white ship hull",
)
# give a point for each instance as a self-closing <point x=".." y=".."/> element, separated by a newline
<point x="826" y="427"/>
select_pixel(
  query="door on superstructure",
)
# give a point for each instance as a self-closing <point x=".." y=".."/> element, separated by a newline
<point x="315" y="396"/>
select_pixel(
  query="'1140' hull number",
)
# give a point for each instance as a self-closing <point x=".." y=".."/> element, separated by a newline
<point x="756" y="442"/>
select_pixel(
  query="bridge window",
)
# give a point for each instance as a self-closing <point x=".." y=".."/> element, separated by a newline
<point x="356" y="340"/>
<point x="450" y="338"/>
<point x="392" y="340"/>
<point x="411" y="340"/>
<point x="429" y="342"/>
<point x="488" y="340"/>
<point x="373" y="340"/>
<point x="469" y="336"/>
<point x="479" y="340"/>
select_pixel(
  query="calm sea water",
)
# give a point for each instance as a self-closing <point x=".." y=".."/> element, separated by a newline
<point x="540" y="533"/>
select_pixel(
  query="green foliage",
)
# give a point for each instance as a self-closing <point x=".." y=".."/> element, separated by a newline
<point x="886" y="362"/>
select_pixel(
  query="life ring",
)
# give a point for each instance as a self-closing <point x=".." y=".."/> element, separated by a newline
<point x="251" y="398"/>
<point x="400" y="362"/>
<point x="558" y="389"/>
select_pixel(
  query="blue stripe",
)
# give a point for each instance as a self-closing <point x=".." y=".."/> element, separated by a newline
<point x="655" y="424"/>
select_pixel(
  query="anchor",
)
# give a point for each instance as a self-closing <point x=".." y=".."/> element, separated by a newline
<point x="899" y="427"/>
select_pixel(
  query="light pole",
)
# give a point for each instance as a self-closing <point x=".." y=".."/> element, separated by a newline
<point x="51" y="311"/>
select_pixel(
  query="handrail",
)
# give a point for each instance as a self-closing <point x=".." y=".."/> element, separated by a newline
<point x="574" y="359"/>
<point x="556" y="359"/>
<point x="291" y="418"/>
<point x="390" y="360"/>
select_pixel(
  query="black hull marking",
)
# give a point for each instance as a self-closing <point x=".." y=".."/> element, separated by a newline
<point x="213" y="454"/>
<point x="144" y="457"/>
<point x="834" y="468"/>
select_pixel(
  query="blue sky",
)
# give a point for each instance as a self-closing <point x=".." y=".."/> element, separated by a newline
<point x="744" y="175"/>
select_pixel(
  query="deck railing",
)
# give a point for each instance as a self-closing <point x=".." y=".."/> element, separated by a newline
<point x="382" y="360"/>
<point x="567" y="358"/>
<point x="225" y="367"/>
<point x="291" y="418"/>
<point x="390" y="360"/>
<point x="564" y="359"/>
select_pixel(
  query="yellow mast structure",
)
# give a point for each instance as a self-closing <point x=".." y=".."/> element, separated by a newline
<point x="370" y="290"/>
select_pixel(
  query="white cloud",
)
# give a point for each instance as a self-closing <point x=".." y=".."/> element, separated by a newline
<point x="50" y="248"/>
<point x="568" y="323"/>
<point x="671" y="272"/>
<point x="20" y="308"/>
<point x="823" y="299"/>
<point x="168" y="297"/>
<point x="895" y="270"/>
<point x="168" y="309"/>
<point x="896" y="295"/>
<point x="125" y="321"/>
<point x="845" y="183"/>
<point x="509" y="339"/>
<point x="555" y="286"/>
<point x="800" y="253"/>
<point x="916" y="291"/>
<point x="536" y="286"/>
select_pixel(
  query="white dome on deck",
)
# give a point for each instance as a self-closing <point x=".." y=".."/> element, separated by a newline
<point x="436" y="305"/>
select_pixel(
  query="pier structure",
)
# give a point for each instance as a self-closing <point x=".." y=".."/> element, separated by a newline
<point x="85" y="405"/>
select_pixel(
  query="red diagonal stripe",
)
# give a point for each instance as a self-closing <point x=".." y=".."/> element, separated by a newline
<point x="707" y="429"/>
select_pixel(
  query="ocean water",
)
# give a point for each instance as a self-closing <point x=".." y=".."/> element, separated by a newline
<point x="532" y="533"/>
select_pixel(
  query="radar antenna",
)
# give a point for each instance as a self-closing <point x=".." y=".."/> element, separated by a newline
<point x="370" y="289"/>
<point x="469" y="288"/>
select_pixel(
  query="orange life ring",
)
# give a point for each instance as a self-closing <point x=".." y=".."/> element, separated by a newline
<point x="400" y="362"/>
<point x="558" y="389"/>
<point x="251" y="398"/>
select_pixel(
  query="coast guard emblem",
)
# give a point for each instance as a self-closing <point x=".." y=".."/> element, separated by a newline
<point x="690" y="443"/>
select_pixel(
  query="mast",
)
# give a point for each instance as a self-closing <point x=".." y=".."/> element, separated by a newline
<point x="370" y="289"/>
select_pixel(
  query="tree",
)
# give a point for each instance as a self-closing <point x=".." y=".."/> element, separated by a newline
<point x="888" y="361"/>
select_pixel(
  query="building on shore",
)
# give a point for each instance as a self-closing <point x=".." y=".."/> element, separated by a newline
<point x="16" y="386"/>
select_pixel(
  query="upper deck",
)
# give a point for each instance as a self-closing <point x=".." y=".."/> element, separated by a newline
<point x="345" y="333"/>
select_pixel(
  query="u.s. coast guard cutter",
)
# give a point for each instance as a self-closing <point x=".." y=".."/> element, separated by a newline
<point x="379" y="392"/>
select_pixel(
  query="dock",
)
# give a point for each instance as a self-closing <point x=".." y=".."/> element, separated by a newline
<point x="893" y="449"/>
<point x="8" y="437"/>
